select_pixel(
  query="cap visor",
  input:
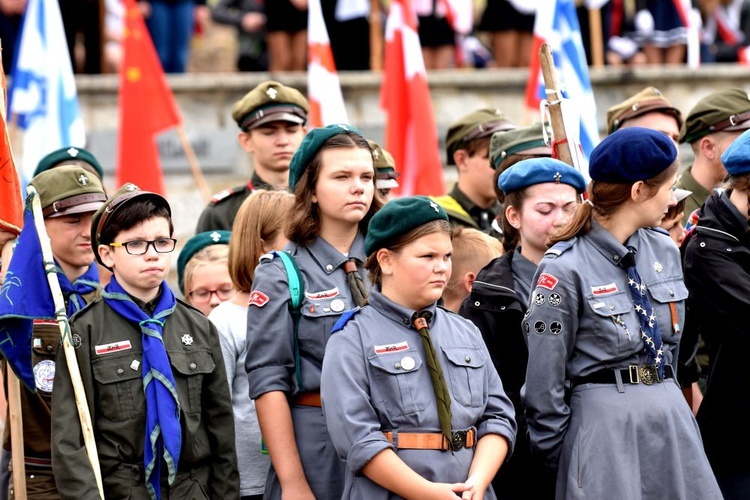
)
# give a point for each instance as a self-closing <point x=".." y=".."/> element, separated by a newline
<point x="681" y="194"/>
<point x="78" y="209"/>
<point x="386" y="183"/>
<point x="279" y="117"/>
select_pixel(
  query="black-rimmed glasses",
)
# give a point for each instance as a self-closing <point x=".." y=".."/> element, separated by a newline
<point x="140" y="247"/>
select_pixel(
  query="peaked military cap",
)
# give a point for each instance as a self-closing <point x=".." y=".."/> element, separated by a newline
<point x="647" y="100"/>
<point x="727" y="110"/>
<point x="476" y="125"/>
<point x="270" y="102"/>
<point x="523" y="140"/>
<point x="385" y="167"/>
<point x="69" y="189"/>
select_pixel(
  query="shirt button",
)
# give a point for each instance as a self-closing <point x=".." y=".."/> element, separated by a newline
<point x="49" y="347"/>
<point x="406" y="321"/>
<point x="397" y="365"/>
<point x="615" y="258"/>
<point x="671" y="293"/>
<point x="329" y="268"/>
<point x="192" y="366"/>
<point x="120" y="371"/>
<point x="467" y="359"/>
<point x="476" y="303"/>
<point x="611" y="308"/>
<point x="502" y="308"/>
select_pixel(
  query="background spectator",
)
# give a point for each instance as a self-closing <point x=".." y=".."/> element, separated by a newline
<point x="286" y="28"/>
<point x="249" y="18"/>
<point x="511" y="27"/>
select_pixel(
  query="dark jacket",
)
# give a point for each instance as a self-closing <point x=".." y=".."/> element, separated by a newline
<point x="113" y="383"/>
<point x="717" y="273"/>
<point x="221" y="211"/>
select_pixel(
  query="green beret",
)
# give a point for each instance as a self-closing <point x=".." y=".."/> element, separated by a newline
<point x="66" y="190"/>
<point x="648" y="100"/>
<point x="65" y="155"/>
<point x="385" y="167"/>
<point x="310" y="146"/>
<point x="398" y="217"/>
<point x="270" y="102"/>
<point x="122" y="197"/>
<point x="476" y="125"/>
<point x="727" y="110"/>
<point x="524" y="140"/>
<point x="195" y="245"/>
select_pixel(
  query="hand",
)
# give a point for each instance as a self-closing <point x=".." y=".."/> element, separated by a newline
<point x="644" y="22"/>
<point x="253" y="21"/>
<point x="446" y="491"/>
<point x="475" y="490"/>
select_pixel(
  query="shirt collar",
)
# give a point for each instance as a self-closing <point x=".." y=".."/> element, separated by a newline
<point x="150" y="306"/>
<point x="700" y="194"/>
<point x="472" y="209"/>
<point x="607" y="245"/>
<point x="330" y="259"/>
<point x="395" y="312"/>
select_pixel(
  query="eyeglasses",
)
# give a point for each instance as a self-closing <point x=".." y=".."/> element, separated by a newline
<point x="140" y="247"/>
<point x="204" y="294"/>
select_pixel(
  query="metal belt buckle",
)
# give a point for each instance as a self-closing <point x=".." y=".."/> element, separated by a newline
<point x="458" y="440"/>
<point x="648" y="374"/>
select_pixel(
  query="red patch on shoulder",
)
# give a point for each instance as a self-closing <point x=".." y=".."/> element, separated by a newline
<point x="257" y="299"/>
<point x="547" y="281"/>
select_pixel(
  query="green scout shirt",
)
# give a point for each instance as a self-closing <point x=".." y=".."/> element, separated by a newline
<point x="221" y="211"/>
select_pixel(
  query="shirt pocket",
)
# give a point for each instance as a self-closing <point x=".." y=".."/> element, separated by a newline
<point x="465" y="371"/>
<point x="120" y="387"/>
<point x="616" y="329"/>
<point x="669" y="303"/>
<point x="189" y="367"/>
<point x="397" y="385"/>
<point x="319" y="316"/>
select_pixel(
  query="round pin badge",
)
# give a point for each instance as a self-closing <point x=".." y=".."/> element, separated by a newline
<point x="44" y="375"/>
<point x="408" y="363"/>
<point x="337" y="305"/>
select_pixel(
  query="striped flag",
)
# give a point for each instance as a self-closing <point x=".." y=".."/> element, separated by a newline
<point x="11" y="204"/>
<point x="410" y="129"/>
<point x="323" y="86"/>
<point x="557" y="25"/>
<point x="43" y="97"/>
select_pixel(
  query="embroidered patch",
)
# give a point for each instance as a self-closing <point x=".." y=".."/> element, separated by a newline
<point x="604" y="289"/>
<point x="44" y="375"/>
<point x="554" y="299"/>
<point x="258" y="299"/>
<point x="325" y="294"/>
<point x="187" y="339"/>
<point x="547" y="281"/>
<point x="555" y="328"/>
<point x="540" y="327"/>
<point x="539" y="299"/>
<point x="382" y="349"/>
<point x="123" y="345"/>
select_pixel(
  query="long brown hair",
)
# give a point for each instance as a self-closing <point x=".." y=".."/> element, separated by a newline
<point x="604" y="200"/>
<point x="304" y="220"/>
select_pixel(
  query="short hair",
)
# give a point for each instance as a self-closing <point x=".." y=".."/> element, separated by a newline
<point x="130" y="215"/>
<point x="207" y="255"/>
<point x="260" y="219"/>
<point x="472" y="250"/>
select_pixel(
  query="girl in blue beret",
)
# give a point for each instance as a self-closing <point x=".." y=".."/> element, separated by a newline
<point x="604" y="410"/>
<point x="412" y="401"/>
<point x="333" y="180"/>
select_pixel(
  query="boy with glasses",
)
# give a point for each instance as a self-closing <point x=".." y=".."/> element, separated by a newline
<point x="152" y="370"/>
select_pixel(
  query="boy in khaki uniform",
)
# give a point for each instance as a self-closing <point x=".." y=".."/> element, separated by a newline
<point x="153" y="373"/>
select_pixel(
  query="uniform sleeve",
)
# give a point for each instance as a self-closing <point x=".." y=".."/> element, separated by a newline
<point x="219" y="420"/>
<point x="551" y="332"/>
<point x="353" y="424"/>
<point x="210" y="220"/>
<point x="73" y="473"/>
<point x="270" y="340"/>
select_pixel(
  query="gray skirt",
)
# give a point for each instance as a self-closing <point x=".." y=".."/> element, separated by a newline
<point x="642" y="443"/>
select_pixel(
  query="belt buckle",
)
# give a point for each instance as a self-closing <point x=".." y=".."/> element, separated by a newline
<point x="648" y="374"/>
<point x="634" y="372"/>
<point x="458" y="440"/>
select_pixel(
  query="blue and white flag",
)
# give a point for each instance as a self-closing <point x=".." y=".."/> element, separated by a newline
<point x="557" y="25"/>
<point x="43" y="93"/>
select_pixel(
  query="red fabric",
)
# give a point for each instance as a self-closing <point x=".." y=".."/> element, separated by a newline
<point x="410" y="130"/>
<point x="147" y="106"/>
<point x="11" y="204"/>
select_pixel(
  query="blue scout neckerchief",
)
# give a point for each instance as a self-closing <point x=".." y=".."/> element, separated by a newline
<point x="163" y="431"/>
<point x="74" y="292"/>
<point x="650" y="333"/>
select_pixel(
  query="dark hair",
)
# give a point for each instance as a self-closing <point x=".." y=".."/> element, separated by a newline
<point x="673" y="211"/>
<point x="739" y="183"/>
<point x="511" y="235"/>
<point x="605" y="199"/>
<point x="130" y="215"/>
<point x="373" y="266"/>
<point x="473" y="147"/>
<point x="304" y="220"/>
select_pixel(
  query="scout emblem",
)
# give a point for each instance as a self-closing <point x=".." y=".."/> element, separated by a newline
<point x="215" y="236"/>
<point x="44" y="375"/>
<point x="337" y="305"/>
<point x="658" y="267"/>
<point x="434" y="206"/>
<point x="555" y="328"/>
<point x="83" y="180"/>
<point x="72" y="152"/>
<point x="557" y="177"/>
<point x="272" y="92"/>
<point x="408" y="363"/>
<point x="130" y="187"/>
<point x="554" y="299"/>
<point x="187" y="339"/>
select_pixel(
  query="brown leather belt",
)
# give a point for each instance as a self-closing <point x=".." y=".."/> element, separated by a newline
<point x="433" y="440"/>
<point x="307" y="399"/>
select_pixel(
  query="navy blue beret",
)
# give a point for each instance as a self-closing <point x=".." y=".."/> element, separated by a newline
<point x="526" y="173"/>
<point x="632" y="154"/>
<point x="310" y="146"/>
<point x="736" y="158"/>
<point x="196" y="244"/>
<point x="398" y="217"/>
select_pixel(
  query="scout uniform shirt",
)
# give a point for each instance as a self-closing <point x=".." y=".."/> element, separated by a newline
<point x="110" y="358"/>
<point x="376" y="379"/>
<point x="463" y="212"/>
<point x="221" y="211"/>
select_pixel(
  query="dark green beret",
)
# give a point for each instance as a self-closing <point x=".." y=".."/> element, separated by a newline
<point x="195" y="245"/>
<point x="64" y="155"/>
<point x="270" y="102"/>
<point x="310" y="146"/>
<point x="398" y="217"/>
<point x="476" y="125"/>
<point x="126" y="194"/>
<point x="533" y="171"/>
<point x="523" y="140"/>
<point x="69" y="189"/>
<point x="648" y="100"/>
<point x="385" y="167"/>
<point x="727" y="110"/>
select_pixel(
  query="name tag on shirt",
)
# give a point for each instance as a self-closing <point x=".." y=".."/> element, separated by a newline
<point x="123" y="345"/>
<point x="383" y="349"/>
<point x="604" y="289"/>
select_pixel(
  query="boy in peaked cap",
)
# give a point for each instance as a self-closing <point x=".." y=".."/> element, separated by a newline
<point x="710" y="127"/>
<point x="69" y="196"/>
<point x="385" y="170"/>
<point x="472" y="201"/>
<point x="648" y="108"/>
<point x="271" y="118"/>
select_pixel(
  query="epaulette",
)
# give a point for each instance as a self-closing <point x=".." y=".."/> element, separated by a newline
<point x="659" y="230"/>
<point x="344" y="319"/>
<point x="226" y="193"/>
<point x="560" y="247"/>
<point x="266" y="256"/>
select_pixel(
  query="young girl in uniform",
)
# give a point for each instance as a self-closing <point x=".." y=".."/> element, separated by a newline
<point x="202" y="272"/>
<point x="332" y="177"/>
<point x="603" y="406"/>
<point x="412" y="401"/>
<point x="539" y="194"/>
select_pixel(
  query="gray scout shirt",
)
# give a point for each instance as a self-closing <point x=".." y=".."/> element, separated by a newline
<point x="375" y="378"/>
<point x="582" y="319"/>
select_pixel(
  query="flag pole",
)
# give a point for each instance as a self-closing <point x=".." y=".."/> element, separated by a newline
<point x="195" y="169"/>
<point x="554" y="99"/>
<point x="595" y="37"/>
<point x="16" y="435"/>
<point x="376" y="37"/>
<point x="70" y="354"/>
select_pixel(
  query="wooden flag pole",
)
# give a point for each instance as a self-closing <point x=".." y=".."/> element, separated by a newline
<point x="16" y="435"/>
<point x="595" y="37"/>
<point x="195" y="169"/>
<point x="553" y="95"/>
<point x="70" y="354"/>
<point x="376" y="37"/>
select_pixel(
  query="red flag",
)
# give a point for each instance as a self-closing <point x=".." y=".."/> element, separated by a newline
<point x="410" y="131"/>
<point x="11" y="204"/>
<point x="147" y="106"/>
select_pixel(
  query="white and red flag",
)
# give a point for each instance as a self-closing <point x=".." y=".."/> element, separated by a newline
<point x="410" y="129"/>
<point x="323" y="85"/>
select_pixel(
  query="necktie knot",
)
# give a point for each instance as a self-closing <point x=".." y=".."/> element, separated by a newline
<point x="628" y="259"/>
<point x="421" y="319"/>
<point x="356" y="285"/>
